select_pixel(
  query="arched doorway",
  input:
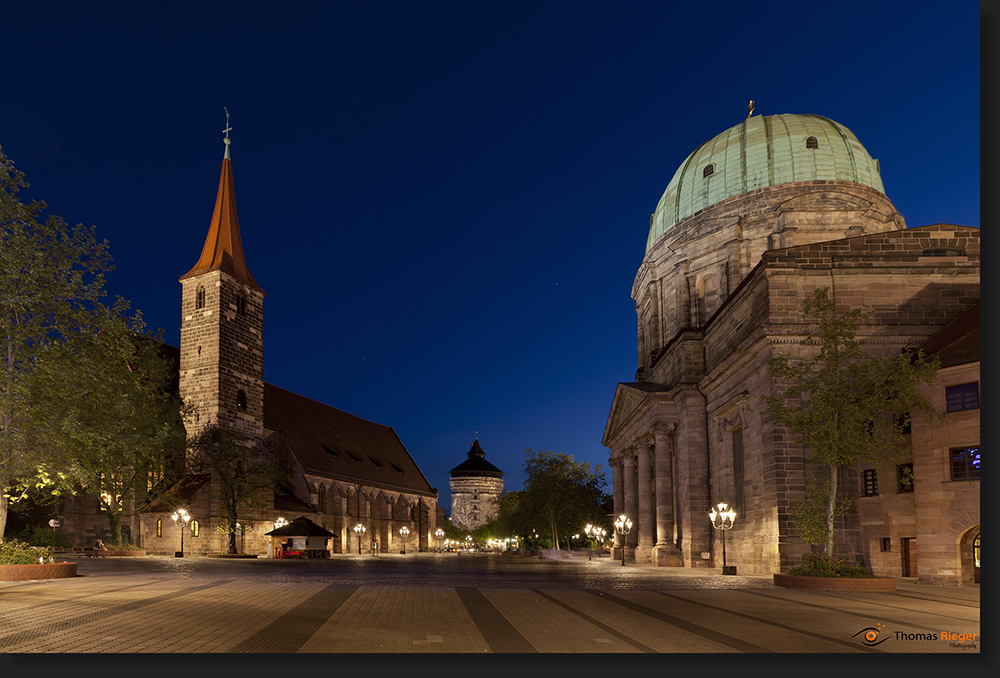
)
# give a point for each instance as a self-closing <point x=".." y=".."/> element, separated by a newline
<point x="975" y="559"/>
<point x="968" y="546"/>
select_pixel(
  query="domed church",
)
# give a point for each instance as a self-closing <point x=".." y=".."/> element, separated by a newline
<point x="752" y="222"/>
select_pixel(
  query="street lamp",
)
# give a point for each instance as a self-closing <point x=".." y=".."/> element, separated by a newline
<point x="623" y="526"/>
<point x="597" y="534"/>
<point x="439" y="533"/>
<point x="723" y="520"/>
<point x="185" y="518"/>
<point x="359" y="530"/>
<point x="403" y="531"/>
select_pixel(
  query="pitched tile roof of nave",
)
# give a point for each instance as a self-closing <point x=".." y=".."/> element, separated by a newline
<point x="313" y="431"/>
<point x="335" y="444"/>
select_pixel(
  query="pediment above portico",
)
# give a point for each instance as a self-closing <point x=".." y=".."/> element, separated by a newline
<point x="633" y="403"/>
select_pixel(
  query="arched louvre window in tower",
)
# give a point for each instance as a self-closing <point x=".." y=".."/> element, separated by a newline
<point x="199" y="298"/>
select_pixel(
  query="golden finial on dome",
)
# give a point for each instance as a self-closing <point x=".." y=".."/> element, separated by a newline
<point x="750" y="109"/>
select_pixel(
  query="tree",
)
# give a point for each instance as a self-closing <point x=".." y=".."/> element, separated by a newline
<point x="559" y="493"/>
<point x="114" y="417"/>
<point x="845" y="405"/>
<point x="243" y="475"/>
<point x="51" y="276"/>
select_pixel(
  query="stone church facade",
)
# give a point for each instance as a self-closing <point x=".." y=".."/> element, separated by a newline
<point x="751" y="224"/>
<point x="342" y="470"/>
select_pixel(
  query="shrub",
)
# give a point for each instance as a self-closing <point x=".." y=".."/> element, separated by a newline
<point x="14" y="552"/>
<point x="127" y="547"/>
<point x="42" y="536"/>
<point x="820" y="565"/>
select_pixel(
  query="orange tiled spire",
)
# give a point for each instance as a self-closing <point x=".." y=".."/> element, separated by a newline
<point x="223" y="250"/>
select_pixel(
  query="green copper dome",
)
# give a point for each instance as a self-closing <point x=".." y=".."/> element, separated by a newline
<point x="759" y="152"/>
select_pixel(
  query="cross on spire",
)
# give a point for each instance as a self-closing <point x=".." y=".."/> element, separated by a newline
<point x="227" y="130"/>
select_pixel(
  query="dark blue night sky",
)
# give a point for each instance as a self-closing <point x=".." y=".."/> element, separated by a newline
<point x="447" y="202"/>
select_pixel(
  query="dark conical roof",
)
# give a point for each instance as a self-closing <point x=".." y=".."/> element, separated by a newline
<point x="476" y="464"/>
<point x="300" y="527"/>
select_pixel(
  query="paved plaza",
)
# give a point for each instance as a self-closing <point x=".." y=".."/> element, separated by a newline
<point x="464" y="604"/>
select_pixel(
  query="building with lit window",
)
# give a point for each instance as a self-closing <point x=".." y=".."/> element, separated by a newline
<point x="751" y="224"/>
<point x="342" y="470"/>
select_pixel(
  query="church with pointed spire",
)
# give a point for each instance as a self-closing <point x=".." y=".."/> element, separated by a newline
<point x="342" y="472"/>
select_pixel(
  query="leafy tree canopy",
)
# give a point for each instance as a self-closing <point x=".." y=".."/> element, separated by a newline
<point x="78" y="388"/>
<point x="244" y="476"/>
<point x="559" y="497"/>
<point x="844" y="405"/>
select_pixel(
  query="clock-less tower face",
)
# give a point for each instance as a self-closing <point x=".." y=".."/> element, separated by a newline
<point x="222" y="328"/>
<point x="222" y="353"/>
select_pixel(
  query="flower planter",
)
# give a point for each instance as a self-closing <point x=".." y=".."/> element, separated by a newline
<point x="872" y="584"/>
<point x="37" y="571"/>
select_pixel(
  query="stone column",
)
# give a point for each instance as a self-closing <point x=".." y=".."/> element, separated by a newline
<point x="615" y="463"/>
<point x="631" y="505"/>
<point x="644" y="524"/>
<point x="665" y="553"/>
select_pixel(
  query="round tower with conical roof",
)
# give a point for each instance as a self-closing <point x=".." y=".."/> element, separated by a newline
<point x="476" y="485"/>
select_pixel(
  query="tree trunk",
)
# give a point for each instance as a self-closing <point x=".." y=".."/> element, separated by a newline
<point x="3" y="506"/>
<point x="231" y="534"/>
<point x="831" y="507"/>
<point x="115" y="525"/>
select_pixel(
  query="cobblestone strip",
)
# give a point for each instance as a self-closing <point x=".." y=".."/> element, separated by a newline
<point x="873" y="610"/>
<point x="498" y="632"/>
<point x="705" y="632"/>
<point x="599" y="624"/>
<point x="288" y="632"/>
<point x="784" y="627"/>
<point x="31" y="603"/>
<point x="29" y="635"/>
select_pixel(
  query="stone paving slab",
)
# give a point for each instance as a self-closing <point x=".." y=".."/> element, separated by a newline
<point x="435" y="605"/>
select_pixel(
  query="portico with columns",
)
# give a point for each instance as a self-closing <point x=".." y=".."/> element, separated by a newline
<point x="737" y="243"/>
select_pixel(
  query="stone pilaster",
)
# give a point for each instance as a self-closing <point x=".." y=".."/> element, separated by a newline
<point x="615" y="462"/>
<point x="631" y="505"/>
<point x="665" y="553"/>
<point x="643" y="527"/>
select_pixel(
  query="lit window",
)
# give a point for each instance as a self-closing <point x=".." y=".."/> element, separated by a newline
<point x="869" y="480"/>
<point x="905" y="478"/>
<point x="195" y="528"/>
<point x="811" y="142"/>
<point x="963" y="397"/>
<point x="159" y="528"/>
<point x="965" y="463"/>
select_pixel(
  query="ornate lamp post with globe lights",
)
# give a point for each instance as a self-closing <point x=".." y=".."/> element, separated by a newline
<point x="403" y="532"/>
<point x="184" y="517"/>
<point x="597" y="534"/>
<point x="723" y="520"/>
<point x="439" y="533"/>
<point x="623" y="526"/>
<point x="359" y="530"/>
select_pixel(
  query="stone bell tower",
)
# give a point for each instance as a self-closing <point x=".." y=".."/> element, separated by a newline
<point x="222" y="326"/>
